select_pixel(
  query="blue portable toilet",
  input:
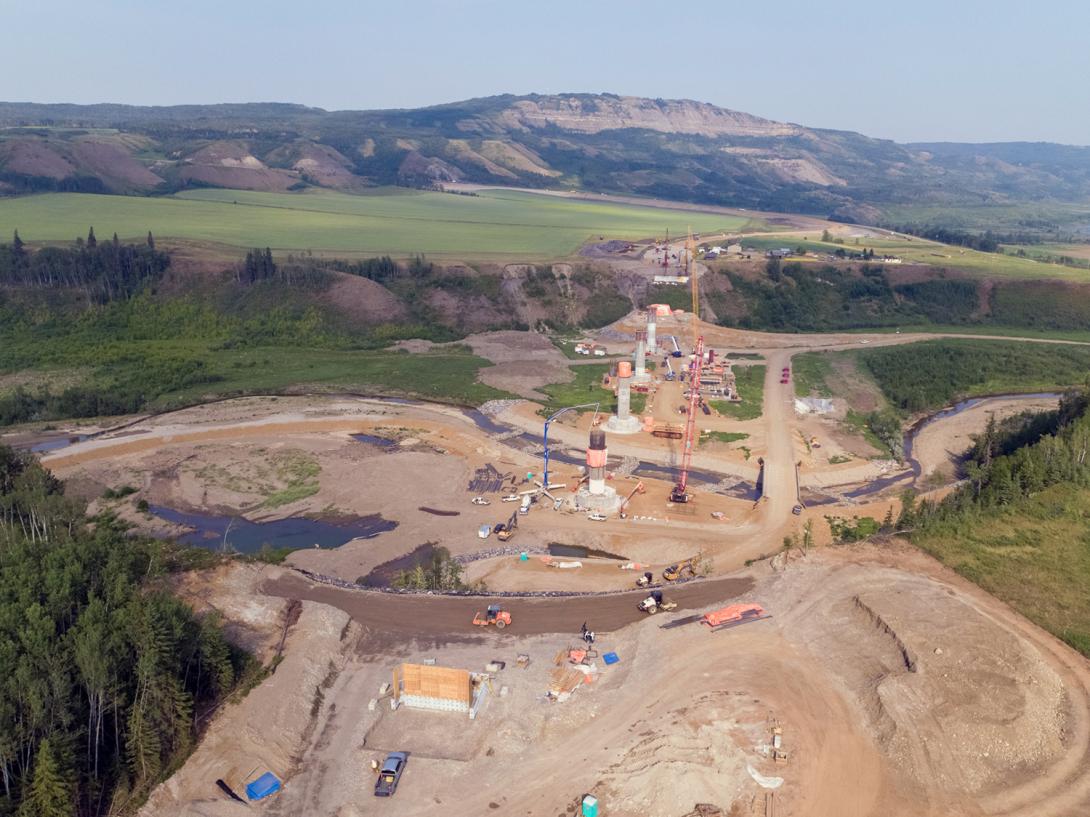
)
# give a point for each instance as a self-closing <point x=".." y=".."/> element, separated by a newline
<point x="262" y="787"/>
<point x="590" y="805"/>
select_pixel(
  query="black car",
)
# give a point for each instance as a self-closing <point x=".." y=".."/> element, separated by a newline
<point x="390" y="774"/>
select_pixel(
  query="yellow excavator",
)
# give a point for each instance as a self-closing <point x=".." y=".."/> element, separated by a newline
<point x="677" y="571"/>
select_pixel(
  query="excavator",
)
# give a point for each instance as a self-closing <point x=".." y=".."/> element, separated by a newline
<point x="676" y="571"/>
<point x="639" y="489"/>
<point x="655" y="602"/>
<point x="505" y="530"/>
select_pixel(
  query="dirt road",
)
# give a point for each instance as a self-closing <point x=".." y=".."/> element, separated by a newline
<point x="393" y="619"/>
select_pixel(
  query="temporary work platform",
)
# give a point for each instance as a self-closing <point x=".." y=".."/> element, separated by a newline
<point x="444" y="689"/>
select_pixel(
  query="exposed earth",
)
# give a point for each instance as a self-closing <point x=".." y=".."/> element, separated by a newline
<point x="900" y="688"/>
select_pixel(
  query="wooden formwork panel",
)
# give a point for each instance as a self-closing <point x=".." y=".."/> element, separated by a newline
<point x="443" y="683"/>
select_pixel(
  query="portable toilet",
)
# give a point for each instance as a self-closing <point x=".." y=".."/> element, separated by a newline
<point x="590" y="805"/>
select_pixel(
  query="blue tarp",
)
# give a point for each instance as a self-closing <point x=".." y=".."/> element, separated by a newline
<point x="262" y="787"/>
<point x="611" y="658"/>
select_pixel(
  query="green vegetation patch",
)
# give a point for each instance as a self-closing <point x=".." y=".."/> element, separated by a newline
<point x="397" y="221"/>
<point x="924" y="376"/>
<point x="751" y="383"/>
<point x="1020" y="524"/>
<point x="586" y="387"/>
<point x="810" y="371"/>
<point x="722" y="437"/>
<point x="1035" y="557"/>
<point x="298" y="472"/>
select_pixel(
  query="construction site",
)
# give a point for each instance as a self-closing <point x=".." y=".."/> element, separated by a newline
<point x="624" y="633"/>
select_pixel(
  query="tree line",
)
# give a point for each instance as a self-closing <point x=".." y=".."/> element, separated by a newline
<point x="1011" y="462"/>
<point x="104" y="676"/>
<point x="929" y="375"/>
<point x="988" y="241"/>
<point x="104" y="270"/>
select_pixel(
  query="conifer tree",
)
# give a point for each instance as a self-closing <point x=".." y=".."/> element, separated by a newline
<point x="49" y="794"/>
<point x="92" y="242"/>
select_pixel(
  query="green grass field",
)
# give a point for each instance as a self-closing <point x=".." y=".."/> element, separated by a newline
<point x="449" y="377"/>
<point x="751" y="387"/>
<point x="922" y="251"/>
<point x="586" y="387"/>
<point x="809" y="371"/>
<point x="395" y="221"/>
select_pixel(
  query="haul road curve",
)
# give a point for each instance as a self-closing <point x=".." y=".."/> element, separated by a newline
<point x="392" y="618"/>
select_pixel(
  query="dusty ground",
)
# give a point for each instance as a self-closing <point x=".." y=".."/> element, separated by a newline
<point x="524" y="361"/>
<point x="902" y="690"/>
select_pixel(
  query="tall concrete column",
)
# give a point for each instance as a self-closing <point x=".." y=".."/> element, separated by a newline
<point x="623" y="422"/>
<point x="596" y="462"/>
<point x="652" y="320"/>
<point x="640" y="360"/>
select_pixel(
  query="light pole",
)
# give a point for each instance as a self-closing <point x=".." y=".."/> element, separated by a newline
<point x="545" y="436"/>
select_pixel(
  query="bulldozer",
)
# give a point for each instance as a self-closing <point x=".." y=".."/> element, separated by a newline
<point x="655" y="602"/>
<point x="493" y="614"/>
<point x="677" y="571"/>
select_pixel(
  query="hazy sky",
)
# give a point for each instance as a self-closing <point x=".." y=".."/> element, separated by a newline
<point x="963" y="70"/>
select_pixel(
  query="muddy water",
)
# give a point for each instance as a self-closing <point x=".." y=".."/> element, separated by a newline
<point x="244" y="536"/>
<point x="580" y="552"/>
<point x="374" y="439"/>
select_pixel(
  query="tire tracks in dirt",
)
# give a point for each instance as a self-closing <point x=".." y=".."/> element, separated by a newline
<point x="393" y="619"/>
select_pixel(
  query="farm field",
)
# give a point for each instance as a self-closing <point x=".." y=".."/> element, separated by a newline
<point x="393" y="221"/>
<point x="922" y="251"/>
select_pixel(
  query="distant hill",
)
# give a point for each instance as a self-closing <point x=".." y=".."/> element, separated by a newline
<point x="677" y="149"/>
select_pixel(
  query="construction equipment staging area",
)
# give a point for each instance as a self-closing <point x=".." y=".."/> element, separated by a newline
<point x="864" y="680"/>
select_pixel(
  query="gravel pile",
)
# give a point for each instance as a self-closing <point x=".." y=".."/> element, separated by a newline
<point x="494" y="408"/>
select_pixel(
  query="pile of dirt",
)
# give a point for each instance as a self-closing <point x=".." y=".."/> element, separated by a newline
<point x="363" y="300"/>
<point x="956" y="701"/>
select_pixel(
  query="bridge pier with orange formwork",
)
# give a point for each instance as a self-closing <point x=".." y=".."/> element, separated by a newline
<point x="596" y="495"/>
<point x="624" y="422"/>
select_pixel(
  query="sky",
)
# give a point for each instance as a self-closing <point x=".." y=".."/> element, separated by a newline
<point x="956" y="70"/>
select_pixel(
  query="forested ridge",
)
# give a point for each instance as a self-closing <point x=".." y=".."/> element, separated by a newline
<point x="104" y="675"/>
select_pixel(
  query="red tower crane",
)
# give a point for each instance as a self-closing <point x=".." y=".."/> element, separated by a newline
<point x="679" y="494"/>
